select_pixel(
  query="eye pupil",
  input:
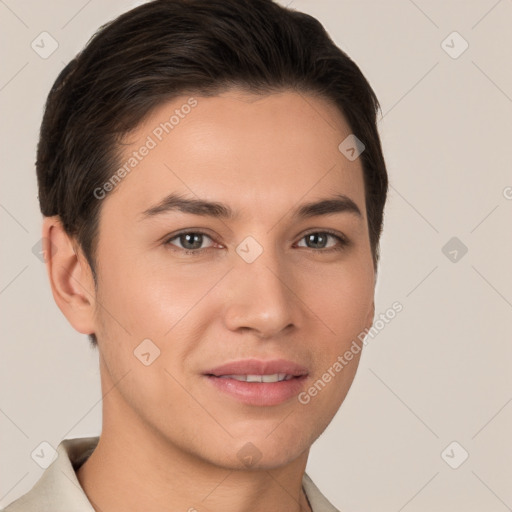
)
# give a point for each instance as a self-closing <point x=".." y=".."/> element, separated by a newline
<point x="187" y="237"/>
<point x="313" y="237"/>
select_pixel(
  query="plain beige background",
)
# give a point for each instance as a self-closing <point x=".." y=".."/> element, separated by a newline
<point x="439" y="372"/>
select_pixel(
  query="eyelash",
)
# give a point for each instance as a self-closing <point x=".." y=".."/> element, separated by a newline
<point x="343" y="242"/>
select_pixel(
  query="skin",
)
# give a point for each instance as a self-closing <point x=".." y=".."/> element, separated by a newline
<point x="169" y="439"/>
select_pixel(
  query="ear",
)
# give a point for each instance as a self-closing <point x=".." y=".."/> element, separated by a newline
<point x="370" y="316"/>
<point x="70" y="276"/>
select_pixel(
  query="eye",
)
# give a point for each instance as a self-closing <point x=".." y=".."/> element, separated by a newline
<point x="318" y="240"/>
<point x="190" y="241"/>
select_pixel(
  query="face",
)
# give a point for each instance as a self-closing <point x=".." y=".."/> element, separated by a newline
<point x="192" y="297"/>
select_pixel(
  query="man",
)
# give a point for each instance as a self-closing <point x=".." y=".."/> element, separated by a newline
<point x="213" y="185"/>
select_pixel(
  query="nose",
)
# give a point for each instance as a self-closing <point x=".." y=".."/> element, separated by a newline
<point x="261" y="297"/>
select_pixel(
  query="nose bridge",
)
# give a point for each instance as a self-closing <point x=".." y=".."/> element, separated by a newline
<point x="261" y="297"/>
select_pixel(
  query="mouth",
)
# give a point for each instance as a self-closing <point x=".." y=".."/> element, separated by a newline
<point x="259" y="383"/>
<point x="274" y="377"/>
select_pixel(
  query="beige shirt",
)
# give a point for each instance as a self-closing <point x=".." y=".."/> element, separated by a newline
<point x="58" y="489"/>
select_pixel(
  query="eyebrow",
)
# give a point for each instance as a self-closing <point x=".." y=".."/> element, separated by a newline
<point x="176" y="202"/>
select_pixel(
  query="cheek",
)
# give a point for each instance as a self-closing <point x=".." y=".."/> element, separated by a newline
<point x="343" y="300"/>
<point x="166" y="305"/>
<point x="145" y="298"/>
<point x="344" y="307"/>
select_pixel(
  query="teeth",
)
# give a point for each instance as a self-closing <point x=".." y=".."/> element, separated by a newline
<point x="276" y="377"/>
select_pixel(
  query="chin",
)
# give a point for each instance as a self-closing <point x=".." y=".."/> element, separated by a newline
<point x="250" y="458"/>
<point x="269" y="450"/>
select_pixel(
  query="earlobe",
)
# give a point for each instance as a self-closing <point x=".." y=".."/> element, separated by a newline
<point x="70" y="276"/>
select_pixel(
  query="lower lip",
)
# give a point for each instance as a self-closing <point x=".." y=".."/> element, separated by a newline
<point x="259" y="393"/>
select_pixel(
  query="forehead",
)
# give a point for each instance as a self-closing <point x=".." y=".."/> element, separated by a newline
<point x="243" y="149"/>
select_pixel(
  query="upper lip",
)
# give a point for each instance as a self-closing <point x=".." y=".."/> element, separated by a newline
<point x="258" y="367"/>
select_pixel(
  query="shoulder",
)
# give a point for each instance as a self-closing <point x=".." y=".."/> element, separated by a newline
<point x="318" y="502"/>
<point x="58" y="489"/>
